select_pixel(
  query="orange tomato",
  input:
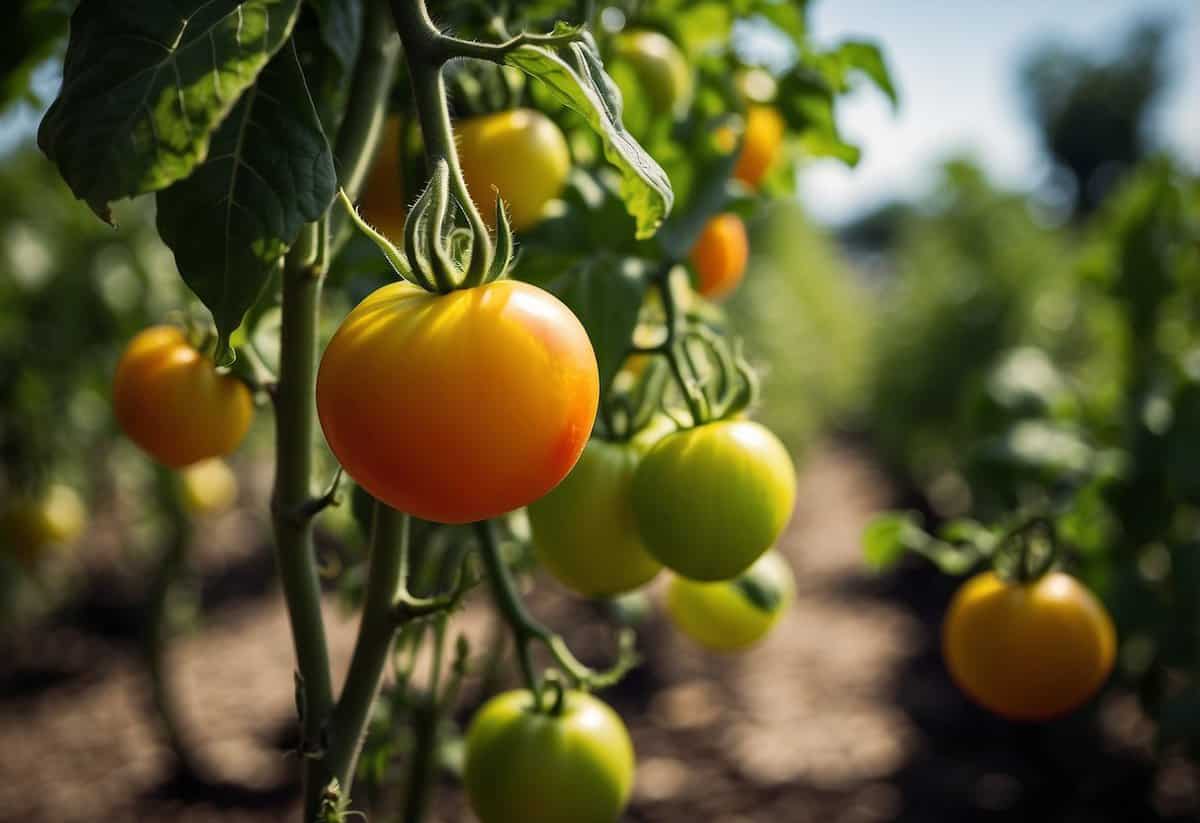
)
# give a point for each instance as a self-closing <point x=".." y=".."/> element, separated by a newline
<point x="382" y="203"/>
<point x="462" y="406"/>
<point x="171" y="400"/>
<point x="720" y="255"/>
<point x="760" y="144"/>
<point x="1028" y="651"/>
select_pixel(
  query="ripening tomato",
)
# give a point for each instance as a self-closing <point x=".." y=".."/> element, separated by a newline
<point x="208" y="487"/>
<point x="171" y="400"/>
<point x="458" y="407"/>
<point x="1028" y="651"/>
<point x="720" y="255"/>
<point x="30" y="524"/>
<point x="760" y="144"/>
<point x="522" y="153"/>
<point x="382" y="203"/>
<point x="710" y="500"/>
<point x="731" y="615"/>
<point x="526" y="766"/>
<point x="584" y="530"/>
<point x="662" y="72"/>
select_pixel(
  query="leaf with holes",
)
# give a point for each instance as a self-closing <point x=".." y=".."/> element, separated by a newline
<point x="145" y="84"/>
<point x="270" y="172"/>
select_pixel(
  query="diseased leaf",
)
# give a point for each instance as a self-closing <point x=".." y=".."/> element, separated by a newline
<point x="145" y="84"/>
<point x="270" y="172"/>
<point x="581" y="83"/>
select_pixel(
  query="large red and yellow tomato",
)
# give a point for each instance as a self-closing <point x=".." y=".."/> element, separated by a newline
<point x="1028" y="651"/>
<point x="528" y="766"/>
<point x="382" y="204"/>
<point x="173" y="403"/>
<point x="720" y="255"/>
<point x="761" y="142"/>
<point x="458" y="407"/>
<point x="521" y="153"/>
<point x="711" y="499"/>
<point x="584" y="530"/>
<point x="731" y="615"/>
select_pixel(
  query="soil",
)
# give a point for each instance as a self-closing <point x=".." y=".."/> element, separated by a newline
<point x="843" y="715"/>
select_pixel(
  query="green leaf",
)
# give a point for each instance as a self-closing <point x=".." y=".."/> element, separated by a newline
<point x="884" y="539"/>
<point x="861" y="57"/>
<point x="606" y="295"/>
<point x="145" y="84"/>
<point x="270" y="172"/>
<point x="341" y="28"/>
<point x="581" y="83"/>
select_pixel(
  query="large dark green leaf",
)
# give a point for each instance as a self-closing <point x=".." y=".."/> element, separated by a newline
<point x="580" y="82"/>
<point x="606" y="294"/>
<point x="341" y="28"/>
<point x="146" y="82"/>
<point x="270" y="171"/>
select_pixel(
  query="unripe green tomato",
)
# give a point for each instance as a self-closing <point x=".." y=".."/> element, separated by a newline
<point x="711" y="499"/>
<point x="661" y="70"/>
<point x="32" y="524"/>
<point x="525" y="766"/>
<point x="209" y="486"/>
<point x="731" y="615"/>
<point x="584" y="530"/>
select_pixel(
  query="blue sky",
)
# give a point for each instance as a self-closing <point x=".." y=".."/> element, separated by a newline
<point x="956" y="67"/>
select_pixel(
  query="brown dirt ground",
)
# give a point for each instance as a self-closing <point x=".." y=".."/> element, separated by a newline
<point x="843" y="714"/>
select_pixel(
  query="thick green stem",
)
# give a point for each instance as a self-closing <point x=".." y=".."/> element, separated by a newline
<point x="423" y="764"/>
<point x="362" y="126"/>
<point x="295" y="417"/>
<point x="425" y="54"/>
<point x="385" y="579"/>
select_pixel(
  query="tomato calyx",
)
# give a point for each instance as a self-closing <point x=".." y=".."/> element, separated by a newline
<point x="439" y="255"/>
<point x="1027" y="551"/>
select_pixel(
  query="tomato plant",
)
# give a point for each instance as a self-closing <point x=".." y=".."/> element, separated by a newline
<point x="1028" y="651"/>
<point x="710" y="500"/>
<point x="171" y="401"/>
<point x="571" y="762"/>
<point x="584" y="530"/>
<point x="731" y="615"/>
<point x="484" y="380"/>
<point x="404" y="381"/>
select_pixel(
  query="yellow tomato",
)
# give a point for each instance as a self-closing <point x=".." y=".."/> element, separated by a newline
<point x="30" y="524"/>
<point x="720" y="255"/>
<point x="760" y="144"/>
<point x="731" y="615"/>
<point x="382" y="204"/>
<point x="520" y="152"/>
<point x="1028" y="651"/>
<point x="170" y="400"/>
<point x="462" y="406"/>
<point x="209" y="486"/>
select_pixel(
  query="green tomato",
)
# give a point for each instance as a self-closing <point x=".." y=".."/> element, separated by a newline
<point x="710" y="500"/>
<point x="526" y="766"/>
<point x="731" y="615"/>
<point x="584" y="530"/>
<point x="661" y="70"/>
